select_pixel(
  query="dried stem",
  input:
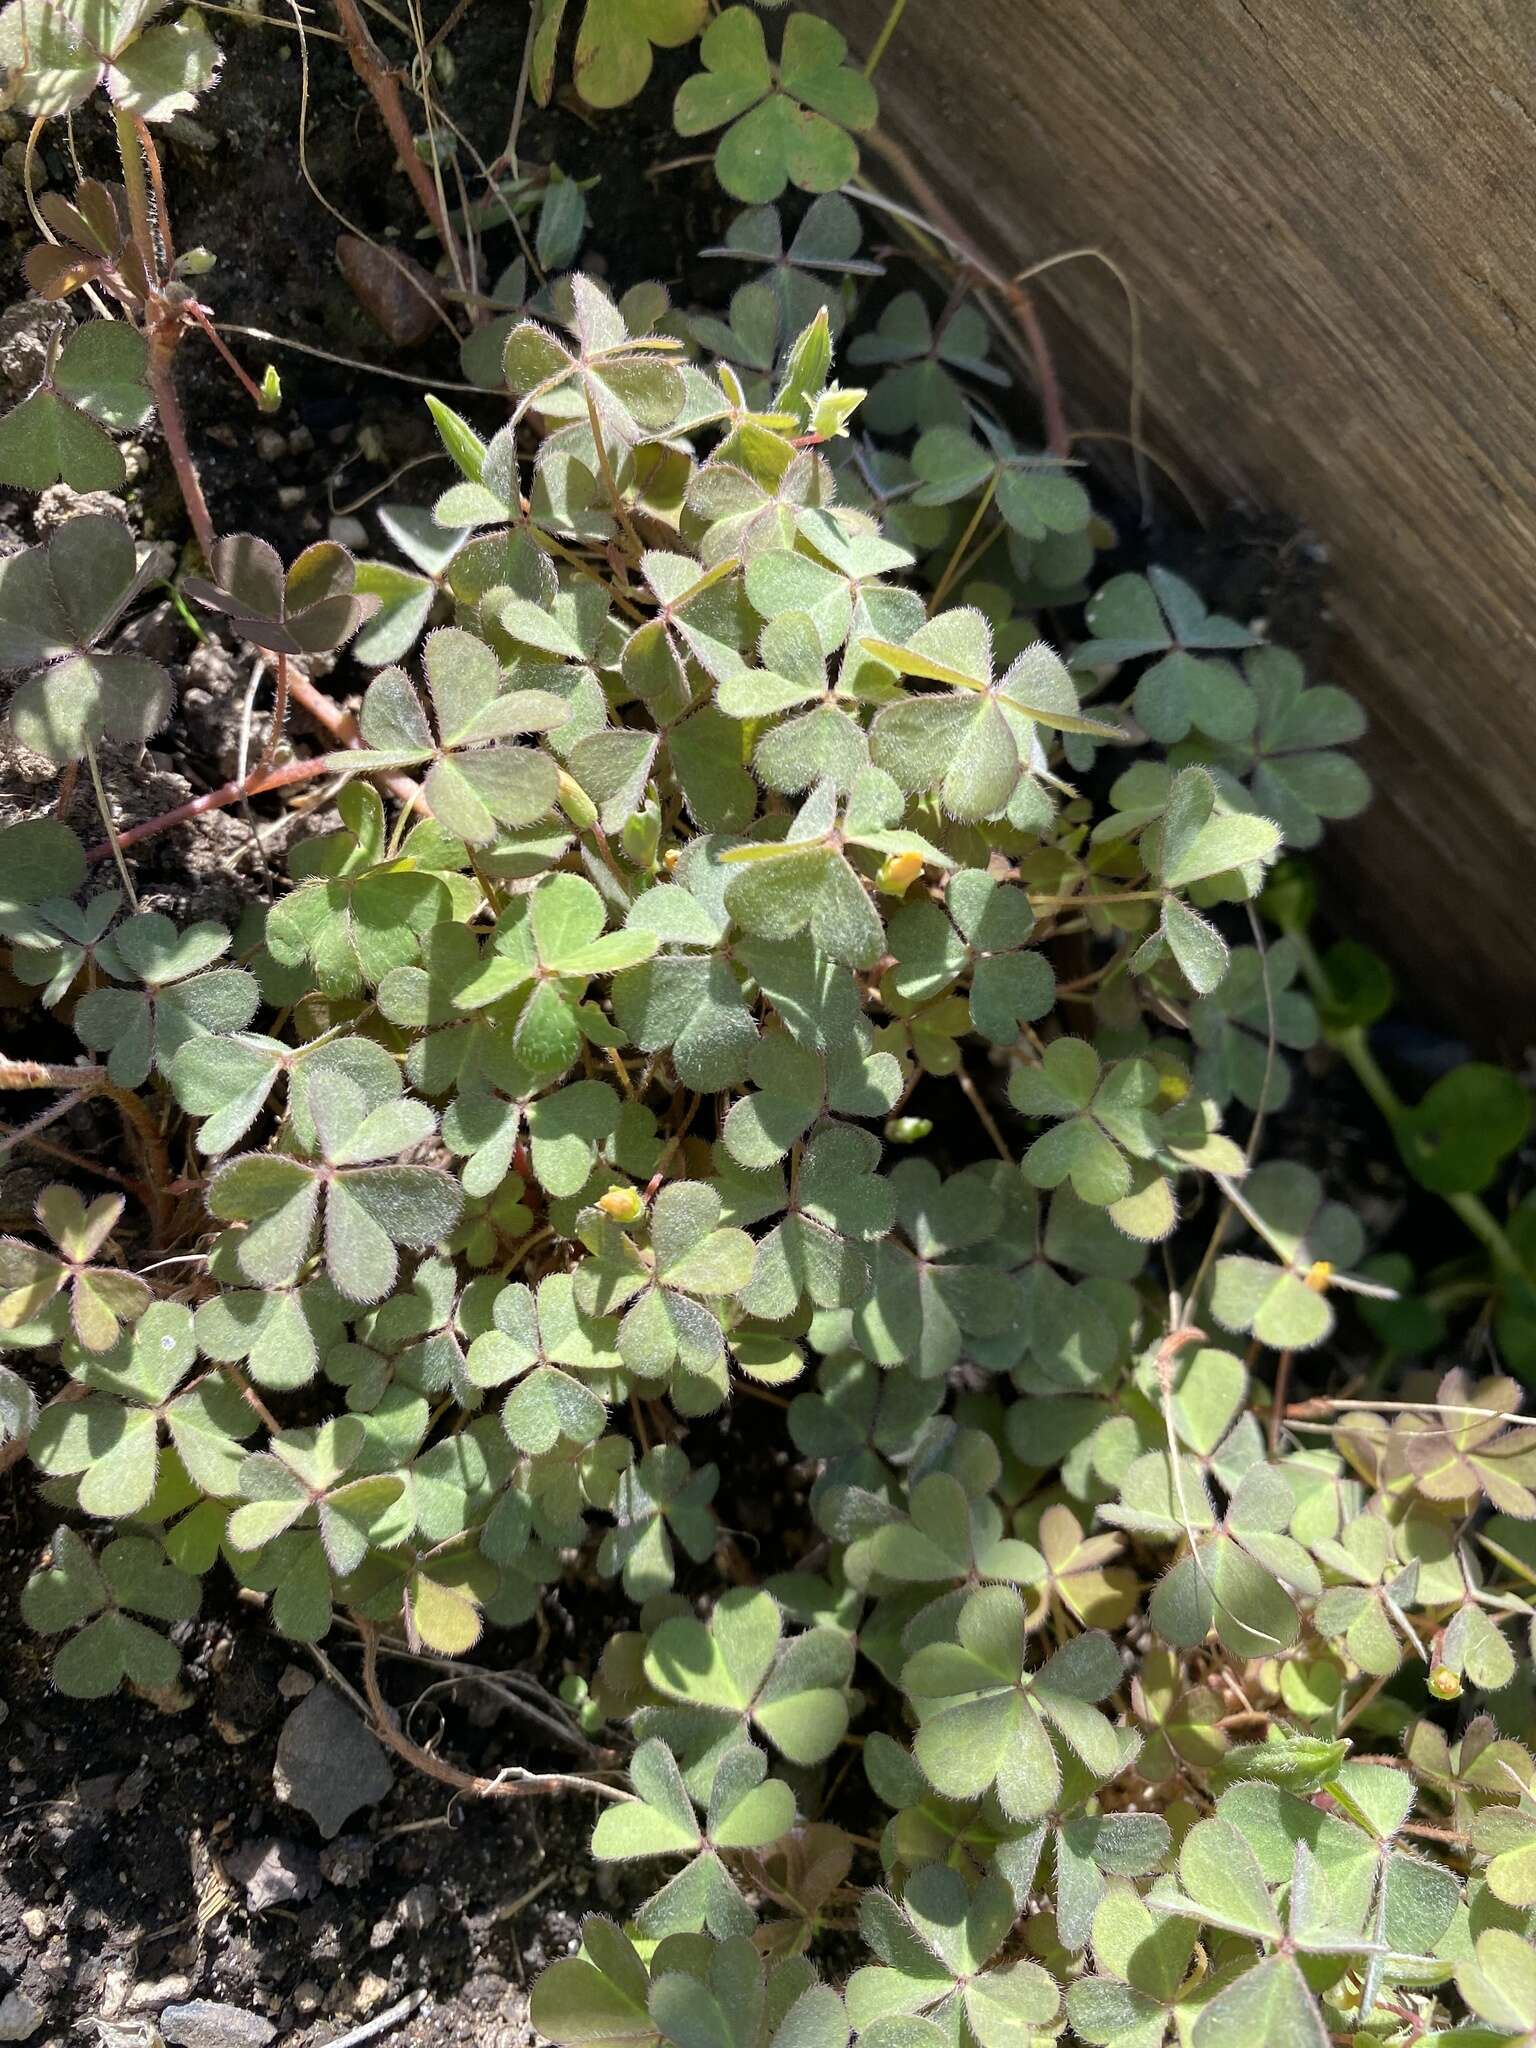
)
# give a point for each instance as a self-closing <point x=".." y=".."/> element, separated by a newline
<point x="368" y="63"/>
<point x="984" y="1115"/>
<point x="24" y="1133"/>
<point x="503" y="1786"/>
<point x="1058" y="435"/>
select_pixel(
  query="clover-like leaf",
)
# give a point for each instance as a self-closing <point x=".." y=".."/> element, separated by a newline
<point x="110" y="1441"/>
<point x="622" y="381"/>
<point x="59" y="431"/>
<point x="1291" y="765"/>
<point x="789" y="123"/>
<point x="475" y="781"/>
<point x="1188" y="685"/>
<point x="1034" y="493"/>
<point x="659" y="1498"/>
<point x="101" y="1298"/>
<point x="547" y="947"/>
<point x="58" y="602"/>
<point x="355" y="912"/>
<point x="356" y="1192"/>
<point x="802" y="274"/>
<point x="182" y="995"/>
<point x="1102" y="1120"/>
<point x="62" y="50"/>
<point x="312" y="607"/>
<point x="1286" y="1304"/>
<point x="1232" y="1028"/>
<point x="599" y="1995"/>
<point x="613" y="45"/>
<point x="101" y="1600"/>
<point x="738" y="1674"/>
<point x="666" y="1289"/>
<point x="985" y="1722"/>
<point x="746" y="1809"/>
<point x="805" y="881"/>
<point x="1454" y="1139"/>
<point x="923" y="365"/>
<point x="975" y="746"/>
<point x="938" y="1948"/>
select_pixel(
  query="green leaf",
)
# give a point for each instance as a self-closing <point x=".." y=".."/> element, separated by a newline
<point x="613" y="47"/>
<point x="58" y="432"/>
<point x="1455" y="1138"/>
<point x="787" y="124"/>
<point x="57" y="601"/>
<point x="598" y="1998"/>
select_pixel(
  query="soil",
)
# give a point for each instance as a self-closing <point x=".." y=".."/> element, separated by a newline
<point x="125" y="1825"/>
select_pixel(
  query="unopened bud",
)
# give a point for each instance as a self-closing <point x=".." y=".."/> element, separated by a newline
<point x="623" y="1205"/>
<point x="640" y="837"/>
<point x="576" y="804"/>
<point x="909" y="1130"/>
<point x="1445" y="1683"/>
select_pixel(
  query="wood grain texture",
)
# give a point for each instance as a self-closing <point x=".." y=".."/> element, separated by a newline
<point x="1328" y="209"/>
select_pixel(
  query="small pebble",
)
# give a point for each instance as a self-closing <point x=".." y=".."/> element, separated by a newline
<point x="205" y="2023"/>
<point x="371" y="1992"/>
<point x="294" y="1682"/>
<point x="271" y="446"/>
<point x="157" y="1991"/>
<point x="391" y="287"/>
<point x="19" y="2016"/>
<point x="347" y="532"/>
<point x="35" y="1921"/>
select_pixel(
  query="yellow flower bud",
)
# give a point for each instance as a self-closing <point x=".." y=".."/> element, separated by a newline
<point x="898" y="872"/>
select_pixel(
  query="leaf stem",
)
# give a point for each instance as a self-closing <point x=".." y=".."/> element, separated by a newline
<point x="382" y="85"/>
<point x="882" y="41"/>
<point x="24" y="1133"/>
<point x="214" y="800"/>
<point x="984" y="1115"/>
<point x="279" y="716"/>
<point x="137" y="188"/>
<point x="609" y="481"/>
<point x="1352" y="1043"/>
<point x="114" y="843"/>
<point x="952" y="566"/>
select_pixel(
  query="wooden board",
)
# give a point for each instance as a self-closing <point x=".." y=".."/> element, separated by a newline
<point x="1328" y="210"/>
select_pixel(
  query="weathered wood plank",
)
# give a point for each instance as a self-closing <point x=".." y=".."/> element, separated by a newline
<point x="1328" y="208"/>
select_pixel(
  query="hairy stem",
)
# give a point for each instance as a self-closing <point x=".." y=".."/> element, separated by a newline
<point x="24" y="1133"/>
<point x="279" y="716"/>
<point x="214" y="800"/>
<point x="137" y="188"/>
